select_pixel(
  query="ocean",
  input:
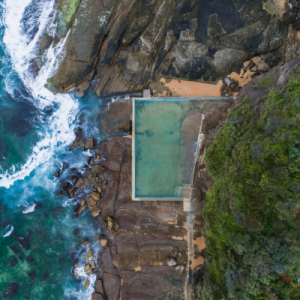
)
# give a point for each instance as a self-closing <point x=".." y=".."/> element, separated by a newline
<point x="39" y="237"/>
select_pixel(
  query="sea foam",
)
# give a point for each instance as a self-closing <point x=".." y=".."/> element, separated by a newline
<point x="58" y="131"/>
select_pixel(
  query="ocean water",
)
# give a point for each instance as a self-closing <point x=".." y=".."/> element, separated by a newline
<point x="39" y="238"/>
<point x="166" y="138"/>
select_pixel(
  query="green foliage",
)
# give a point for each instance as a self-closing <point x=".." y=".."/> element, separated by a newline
<point x="68" y="9"/>
<point x="267" y="82"/>
<point x="253" y="235"/>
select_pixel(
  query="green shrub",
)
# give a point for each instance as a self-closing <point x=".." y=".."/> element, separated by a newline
<point x="267" y="82"/>
<point x="252" y="233"/>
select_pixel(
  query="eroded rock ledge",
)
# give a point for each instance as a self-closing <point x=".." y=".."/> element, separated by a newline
<point x="124" y="45"/>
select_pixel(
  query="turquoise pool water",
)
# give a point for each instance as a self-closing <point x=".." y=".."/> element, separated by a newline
<point x="166" y="133"/>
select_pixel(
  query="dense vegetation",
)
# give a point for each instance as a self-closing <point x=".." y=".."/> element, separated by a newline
<point x="252" y="229"/>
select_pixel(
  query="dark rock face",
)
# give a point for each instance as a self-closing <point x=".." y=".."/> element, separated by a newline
<point x="11" y="291"/>
<point x="127" y="44"/>
<point x="24" y="243"/>
<point x="79" y="139"/>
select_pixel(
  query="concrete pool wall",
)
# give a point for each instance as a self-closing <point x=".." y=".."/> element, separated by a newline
<point x="166" y="133"/>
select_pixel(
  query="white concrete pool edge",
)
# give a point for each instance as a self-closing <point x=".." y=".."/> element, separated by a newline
<point x="186" y="201"/>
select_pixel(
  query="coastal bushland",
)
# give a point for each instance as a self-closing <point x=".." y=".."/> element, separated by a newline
<point x="252" y="213"/>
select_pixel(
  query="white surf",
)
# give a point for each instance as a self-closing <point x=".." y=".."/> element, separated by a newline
<point x="58" y="131"/>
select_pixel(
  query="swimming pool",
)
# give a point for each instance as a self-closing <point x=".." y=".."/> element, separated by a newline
<point x="165" y="139"/>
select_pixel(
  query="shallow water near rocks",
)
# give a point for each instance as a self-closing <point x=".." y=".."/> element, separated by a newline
<point x="39" y="238"/>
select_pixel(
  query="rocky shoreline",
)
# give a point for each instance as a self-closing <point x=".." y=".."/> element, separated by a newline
<point x="143" y="246"/>
<point x="137" y="237"/>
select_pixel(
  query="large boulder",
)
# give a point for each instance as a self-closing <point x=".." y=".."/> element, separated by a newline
<point x="79" y="139"/>
<point x="96" y="296"/>
<point x="89" y="144"/>
<point x="111" y="286"/>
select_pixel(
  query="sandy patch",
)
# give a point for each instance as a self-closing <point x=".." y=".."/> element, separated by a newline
<point x="200" y="243"/>
<point x="185" y="88"/>
<point x="275" y="6"/>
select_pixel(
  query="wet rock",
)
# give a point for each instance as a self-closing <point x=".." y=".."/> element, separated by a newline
<point x="79" y="209"/>
<point x="97" y="170"/>
<point x="97" y="237"/>
<point x="85" y="244"/>
<point x="174" y="252"/>
<point x="99" y="286"/>
<point x="77" y="265"/>
<point x="79" y="139"/>
<point x="101" y="220"/>
<point x="12" y="290"/>
<point x="45" y="277"/>
<point x="93" y="202"/>
<point x="90" y="144"/>
<point x="91" y="161"/>
<point x="295" y="3"/>
<point x="111" y="285"/>
<point x="65" y="166"/>
<point x="29" y="259"/>
<point x="96" y="196"/>
<point x="32" y="275"/>
<point x="67" y="186"/>
<point x="96" y="212"/>
<point x="60" y="193"/>
<point x="74" y="178"/>
<point x="71" y="193"/>
<point x="57" y="174"/>
<point x="76" y="232"/>
<point x="290" y="16"/>
<point x="103" y="242"/>
<point x="90" y="253"/>
<point x="125" y="126"/>
<point x="99" y="260"/>
<point x="24" y="243"/>
<point x="86" y="283"/>
<point x="87" y="267"/>
<point x="79" y="91"/>
<point x="97" y="296"/>
<point x="79" y="183"/>
<point x="297" y="24"/>
<point x="13" y="261"/>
